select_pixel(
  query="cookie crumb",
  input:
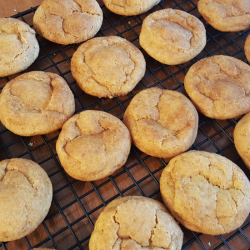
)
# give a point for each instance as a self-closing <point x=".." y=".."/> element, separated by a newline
<point x="14" y="9"/>
<point x="31" y="144"/>
<point x="209" y="244"/>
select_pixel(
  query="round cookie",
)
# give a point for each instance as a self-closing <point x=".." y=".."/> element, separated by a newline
<point x="247" y="48"/>
<point x="242" y="139"/>
<point x="93" y="145"/>
<point x="219" y="87"/>
<point x="172" y="36"/>
<point x="25" y="194"/>
<point x="162" y="123"/>
<point x="130" y="7"/>
<point x="19" y="47"/>
<point x="107" y="66"/>
<point x="225" y="15"/>
<point x="135" y="222"/>
<point x="206" y="192"/>
<point x="36" y="103"/>
<point x="68" y="21"/>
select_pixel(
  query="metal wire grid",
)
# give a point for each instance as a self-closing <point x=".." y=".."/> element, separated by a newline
<point x="141" y="173"/>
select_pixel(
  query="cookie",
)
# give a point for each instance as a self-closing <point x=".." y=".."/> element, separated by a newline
<point x="130" y="7"/>
<point x="93" y="145"/>
<point x="172" y="36"/>
<point x="135" y="222"/>
<point x="219" y="87"/>
<point x="25" y="194"/>
<point x="107" y="66"/>
<point x="247" y="48"/>
<point x="226" y="15"/>
<point x="206" y="192"/>
<point x="68" y="21"/>
<point x="36" y="103"/>
<point x="242" y="139"/>
<point x="162" y="123"/>
<point x="19" y="47"/>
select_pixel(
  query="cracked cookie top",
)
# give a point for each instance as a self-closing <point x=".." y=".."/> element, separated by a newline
<point x="219" y="87"/>
<point x="242" y="139"/>
<point x="68" y="21"/>
<point x="130" y="7"/>
<point x="18" y="46"/>
<point x="226" y="15"/>
<point x="162" y="123"/>
<point x="108" y="66"/>
<point x="206" y="192"/>
<point x="93" y="145"/>
<point x="135" y="222"/>
<point x="172" y="36"/>
<point x="25" y="194"/>
<point x="36" y="103"/>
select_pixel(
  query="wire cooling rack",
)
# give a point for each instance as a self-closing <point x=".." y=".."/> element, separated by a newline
<point x="76" y="205"/>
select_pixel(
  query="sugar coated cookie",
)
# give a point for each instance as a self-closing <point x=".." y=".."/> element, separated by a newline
<point x="93" y="145"/>
<point x="130" y="7"/>
<point x="226" y="15"/>
<point x="242" y="139"/>
<point x="172" y="36"/>
<point x="219" y="86"/>
<point x="68" y="21"/>
<point x="25" y="194"/>
<point x="36" y="103"/>
<point x="18" y="46"/>
<point x="206" y="192"/>
<point x="135" y="222"/>
<point x="107" y="66"/>
<point x="162" y="123"/>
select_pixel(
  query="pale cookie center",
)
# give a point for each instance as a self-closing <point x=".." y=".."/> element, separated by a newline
<point x="34" y="94"/>
<point x="174" y="115"/>
<point x="10" y="46"/>
<point x="172" y="33"/>
<point x="84" y="147"/>
<point x="111" y="66"/>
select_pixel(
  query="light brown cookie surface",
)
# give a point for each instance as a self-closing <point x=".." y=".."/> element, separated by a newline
<point x="247" y="48"/>
<point x="172" y="36"/>
<point x="93" y="145"/>
<point x="226" y="15"/>
<point x="219" y="86"/>
<point x="206" y="192"/>
<point x="36" y="103"/>
<point x="135" y="222"/>
<point x="25" y="194"/>
<point x="18" y="46"/>
<point x="130" y="7"/>
<point x="162" y="123"/>
<point x="108" y="66"/>
<point x="242" y="138"/>
<point x="68" y="21"/>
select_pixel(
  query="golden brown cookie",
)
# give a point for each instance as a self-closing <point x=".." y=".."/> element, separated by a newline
<point x="242" y="138"/>
<point x="172" y="36"/>
<point x="68" y="21"/>
<point x="206" y="192"/>
<point x="135" y="222"/>
<point x="247" y="48"/>
<point x="25" y="194"/>
<point x="107" y="66"/>
<point x="36" y="103"/>
<point x="162" y="123"/>
<point x="18" y="46"/>
<point x="226" y="15"/>
<point x="219" y="87"/>
<point x="93" y="145"/>
<point x="130" y="7"/>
